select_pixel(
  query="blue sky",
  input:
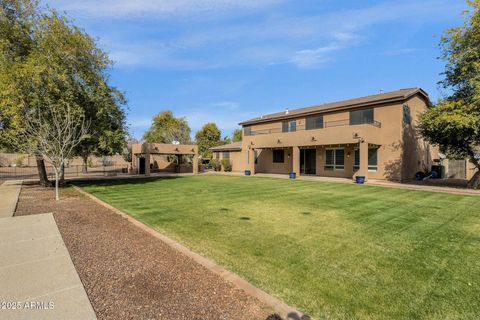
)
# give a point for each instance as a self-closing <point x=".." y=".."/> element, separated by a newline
<point x="230" y="60"/>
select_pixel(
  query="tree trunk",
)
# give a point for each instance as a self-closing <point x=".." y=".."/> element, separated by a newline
<point x="474" y="182"/>
<point x="42" y="172"/>
<point x="85" y="164"/>
<point x="61" y="178"/>
<point x="57" y="196"/>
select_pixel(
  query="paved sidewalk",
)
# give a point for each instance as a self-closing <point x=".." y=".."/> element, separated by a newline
<point x="36" y="272"/>
<point x="9" y="192"/>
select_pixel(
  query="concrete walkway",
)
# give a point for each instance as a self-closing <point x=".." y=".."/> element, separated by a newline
<point x="9" y="192"/>
<point x="37" y="276"/>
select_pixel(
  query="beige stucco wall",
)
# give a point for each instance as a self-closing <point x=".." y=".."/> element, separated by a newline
<point x="471" y="170"/>
<point x="401" y="152"/>
<point x="238" y="160"/>
<point x="265" y="162"/>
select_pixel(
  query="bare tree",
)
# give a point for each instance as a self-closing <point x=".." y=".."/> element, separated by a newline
<point x="54" y="134"/>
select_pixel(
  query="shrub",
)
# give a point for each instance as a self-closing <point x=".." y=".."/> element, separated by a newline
<point x="227" y="165"/>
<point x="215" y="165"/>
<point x="19" y="162"/>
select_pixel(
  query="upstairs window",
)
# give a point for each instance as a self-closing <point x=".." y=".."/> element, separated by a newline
<point x="278" y="156"/>
<point x="314" y="123"/>
<point x="247" y="131"/>
<point x="407" y="116"/>
<point x="361" y="116"/>
<point x="289" y="126"/>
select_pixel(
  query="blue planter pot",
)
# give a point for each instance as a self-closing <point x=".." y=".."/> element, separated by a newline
<point x="292" y="175"/>
<point x="248" y="172"/>
<point x="360" y="179"/>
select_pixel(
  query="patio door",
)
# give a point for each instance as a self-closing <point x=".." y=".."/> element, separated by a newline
<point x="141" y="165"/>
<point x="308" y="161"/>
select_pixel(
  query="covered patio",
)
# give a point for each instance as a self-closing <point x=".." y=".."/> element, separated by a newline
<point x="346" y="160"/>
<point x="142" y="155"/>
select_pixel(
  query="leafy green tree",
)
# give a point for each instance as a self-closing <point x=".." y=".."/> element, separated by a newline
<point x="237" y="135"/>
<point x="17" y="21"/>
<point x="75" y="53"/>
<point x="62" y="65"/>
<point x="207" y="137"/>
<point x="454" y="123"/>
<point x="168" y="129"/>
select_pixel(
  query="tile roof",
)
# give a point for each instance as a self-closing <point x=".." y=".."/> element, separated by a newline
<point x="393" y="96"/>
<point x="236" y="146"/>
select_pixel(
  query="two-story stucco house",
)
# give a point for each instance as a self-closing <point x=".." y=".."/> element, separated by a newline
<point x="371" y="136"/>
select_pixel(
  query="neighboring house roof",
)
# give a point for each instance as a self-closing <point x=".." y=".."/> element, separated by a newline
<point x="236" y="146"/>
<point x="394" y="96"/>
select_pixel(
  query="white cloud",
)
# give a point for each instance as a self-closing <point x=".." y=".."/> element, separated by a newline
<point x="306" y="41"/>
<point x="401" y="51"/>
<point x="155" y="8"/>
<point x="313" y="57"/>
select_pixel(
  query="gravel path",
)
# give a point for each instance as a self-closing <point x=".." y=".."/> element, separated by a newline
<point x="128" y="274"/>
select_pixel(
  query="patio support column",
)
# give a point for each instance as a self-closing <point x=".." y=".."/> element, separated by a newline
<point x="147" y="160"/>
<point x="133" y="164"/>
<point x="363" y="149"/>
<point x="296" y="160"/>
<point x="251" y="161"/>
<point x="195" y="163"/>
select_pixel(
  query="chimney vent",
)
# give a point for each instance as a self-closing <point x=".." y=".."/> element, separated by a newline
<point x="287" y="111"/>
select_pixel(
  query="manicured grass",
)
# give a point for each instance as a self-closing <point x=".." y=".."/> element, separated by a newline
<point x="334" y="251"/>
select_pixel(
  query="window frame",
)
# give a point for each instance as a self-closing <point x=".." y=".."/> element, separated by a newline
<point x="407" y="115"/>
<point x="373" y="167"/>
<point x="276" y="160"/>
<point x="316" y="125"/>
<point x="362" y="119"/>
<point x="370" y="167"/>
<point x="335" y="166"/>
<point x="287" y="126"/>
<point x="356" y="156"/>
<point x="226" y="153"/>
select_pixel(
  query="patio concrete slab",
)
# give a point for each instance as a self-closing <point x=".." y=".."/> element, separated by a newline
<point x="36" y="272"/>
<point x="9" y="192"/>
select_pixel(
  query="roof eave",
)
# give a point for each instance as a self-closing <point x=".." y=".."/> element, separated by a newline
<point x="353" y="106"/>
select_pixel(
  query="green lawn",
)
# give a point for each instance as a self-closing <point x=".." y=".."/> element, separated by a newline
<point x="334" y="251"/>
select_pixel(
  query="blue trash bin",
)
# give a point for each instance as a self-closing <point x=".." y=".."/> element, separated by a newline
<point x="292" y="175"/>
<point x="419" y="176"/>
<point x="248" y="172"/>
<point x="360" y="179"/>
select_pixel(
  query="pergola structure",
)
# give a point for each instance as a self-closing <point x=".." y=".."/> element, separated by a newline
<point x="146" y="150"/>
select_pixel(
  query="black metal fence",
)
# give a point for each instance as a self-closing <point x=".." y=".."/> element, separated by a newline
<point x="70" y="172"/>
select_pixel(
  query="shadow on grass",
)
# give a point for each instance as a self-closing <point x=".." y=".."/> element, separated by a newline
<point x="290" y="316"/>
<point x="120" y="181"/>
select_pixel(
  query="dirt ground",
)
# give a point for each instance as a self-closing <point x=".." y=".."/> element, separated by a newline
<point x="129" y="274"/>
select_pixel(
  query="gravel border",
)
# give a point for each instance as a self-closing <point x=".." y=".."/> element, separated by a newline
<point x="130" y="274"/>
